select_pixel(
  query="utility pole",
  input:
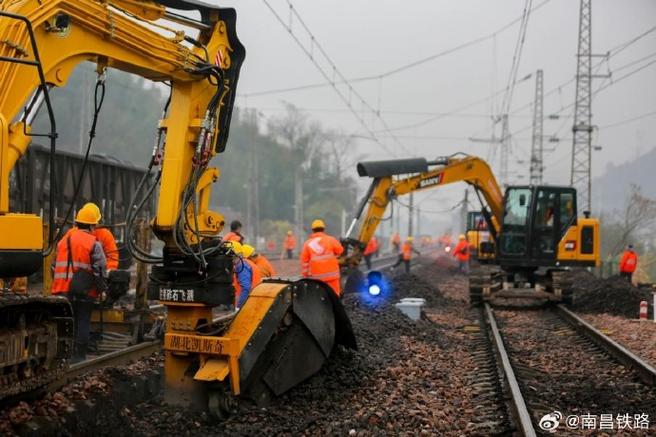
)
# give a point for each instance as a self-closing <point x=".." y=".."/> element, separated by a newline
<point x="581" y="177"/>
<point x="505" y="149"/>
<point x="256" y="182"/>
<point x="418" y="221"/>
<point x="537" y="167"/>
<point x="463" y="212"/>
<point x="410" y="211"/>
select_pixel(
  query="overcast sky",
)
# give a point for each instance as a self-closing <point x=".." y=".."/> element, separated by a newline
<point x="371" y="37"/>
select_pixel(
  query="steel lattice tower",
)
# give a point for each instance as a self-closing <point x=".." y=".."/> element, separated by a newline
<point x="537" y="166"/>
<point x="582" y="130"/>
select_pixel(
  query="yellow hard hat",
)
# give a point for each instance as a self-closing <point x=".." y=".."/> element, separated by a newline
<point x="318" y="224"/>
<point x="94" y="208"/>
<point x="289" y="232"/>
<point x="236" y="247"/>
<point x="247" y="250"/>
<point x="87" y="216"/>
<point x="461" y="237"/>
<point x="410" y="238"/>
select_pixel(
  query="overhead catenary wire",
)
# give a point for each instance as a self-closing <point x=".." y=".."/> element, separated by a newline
<point x="335" y="71"/>
<point x="401" y="68"/>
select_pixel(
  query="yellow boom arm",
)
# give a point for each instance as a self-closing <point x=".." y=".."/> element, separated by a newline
<point x="391" y="180"/>
<point x="45" y="40"/>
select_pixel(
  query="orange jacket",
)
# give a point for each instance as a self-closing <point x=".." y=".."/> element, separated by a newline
<point x="462" y="251"/>
<point x="406" y="250"/>
<point x="81" y="243"/>
<point x="290" y="242"/>
<point x="233" y="236"/>
<point x="264" y="265"/>
<point x="108" y="243"/>
<point x="256" y="279"/>
<point x="629" y="262"/>
<point x="372" y="246"/>
<point x="319" y="257"/>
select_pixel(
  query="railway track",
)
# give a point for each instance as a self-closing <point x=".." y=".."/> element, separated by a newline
<point x="559" y="372"/>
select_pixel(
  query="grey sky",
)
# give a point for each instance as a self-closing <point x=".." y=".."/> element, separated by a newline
<point x="369" y="37"/>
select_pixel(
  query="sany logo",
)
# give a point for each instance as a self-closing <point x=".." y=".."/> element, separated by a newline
<point x="315" y="245"/>
<point x="550" y="421"/>
<point x="433" y="180"/>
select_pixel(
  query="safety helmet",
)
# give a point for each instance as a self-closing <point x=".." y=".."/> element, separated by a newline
<point x="410" y="238"/>
<point x="247" y="250"/>
<point x="318" y="224"/>
<point x="94" y="208"/>
<point x="235" y="246"/>
<point x="462" y="237"/>
<point x="289" y="232"/>
<point x="87" y="215"/>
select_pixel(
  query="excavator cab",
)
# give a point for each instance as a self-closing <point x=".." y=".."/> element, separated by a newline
<point x="535" y="220"/>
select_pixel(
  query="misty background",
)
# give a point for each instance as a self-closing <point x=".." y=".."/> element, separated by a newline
<point x="435" y="76"/>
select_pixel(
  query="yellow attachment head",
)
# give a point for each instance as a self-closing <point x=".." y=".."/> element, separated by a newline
<point x="235" y="246"/>
<point x="87" y="216"/>
<point x="461" y="237"/>
<point x="92" y="206"/>
<point x="318" y="224"/>
<point x="247" y="250"/>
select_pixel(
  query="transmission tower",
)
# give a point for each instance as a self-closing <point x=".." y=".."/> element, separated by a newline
<point x="537" y="167"/>
<point x="582" y="129"/>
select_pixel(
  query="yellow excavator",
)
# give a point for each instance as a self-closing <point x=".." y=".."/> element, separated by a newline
<point x="285" y="330"/>
<point x="536" y="232"/>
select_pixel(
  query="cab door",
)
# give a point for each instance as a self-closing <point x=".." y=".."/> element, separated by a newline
<point x="514" y="238"/>
<point x="544" y="224"/>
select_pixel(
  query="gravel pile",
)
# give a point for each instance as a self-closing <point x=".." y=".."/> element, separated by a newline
<point x="614" y="296"/>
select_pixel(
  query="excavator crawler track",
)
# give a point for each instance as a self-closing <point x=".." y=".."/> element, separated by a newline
<point x="483" y="281"/>
<point x="36" y="341"/>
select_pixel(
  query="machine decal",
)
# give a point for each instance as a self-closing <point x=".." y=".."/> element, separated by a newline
<point x="429" y="182"/>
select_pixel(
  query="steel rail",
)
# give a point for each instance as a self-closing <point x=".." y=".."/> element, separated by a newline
<point x="522" y="416"/>
<point x="645" y="371"/>
<point x="116" y="358"/>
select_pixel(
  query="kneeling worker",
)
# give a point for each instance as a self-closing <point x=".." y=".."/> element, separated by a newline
<point x="319" y="257"/>
<point x="246" y="275"/>
<point x="79" y="268"/>
<point x="259" y="260"/>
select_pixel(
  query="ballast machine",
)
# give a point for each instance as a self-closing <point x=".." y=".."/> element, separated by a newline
<point x="536" y="235"/>
<point x="285" y="330"/>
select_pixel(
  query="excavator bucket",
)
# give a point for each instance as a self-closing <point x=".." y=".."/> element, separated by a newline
<point x="284" y="333"/>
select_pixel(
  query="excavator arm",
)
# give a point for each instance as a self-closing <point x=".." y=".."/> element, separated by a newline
<point x="400" y="177"/>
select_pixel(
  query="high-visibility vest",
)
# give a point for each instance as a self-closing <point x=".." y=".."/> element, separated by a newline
<point x="264" y="266"/>
<point x="233" y="236"/>
<point x="406" y="251"/>
<point x="81" y="244"/>
<point x="256" y="278"/>
<point x="629" y="262"/>
<point x="108" y="243"/>
<point x="462" y="251"/>
<point x="290" y="242"/>
<point x="319" y="257"/>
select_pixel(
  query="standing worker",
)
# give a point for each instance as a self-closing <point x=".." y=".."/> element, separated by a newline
<point x="80" y="265"/>
<point x="235" y="232"/>
<point x="290" y="244"/>
<point x="628" y="263"/>
<point x="260" y="261"/>
<point x="406" y="254"/>
<point x="370" y="250"/>
<point x="319" y="257"/>
<point x="396" y="242"/>
<point x="461" y="252"/>
<point x="246" y="274"/>
<point x="105" y="238"/>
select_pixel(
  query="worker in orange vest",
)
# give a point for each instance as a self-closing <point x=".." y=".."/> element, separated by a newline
<point x="370" y="249"/>
<point x="80" y="265"/>
<point x="628" y="263"/>
<point x="461" y="253"/>
<point x="260" y="261"/>
<point x="319" y="257"/>
<point x="290" y="244"/>
<point x="105" y="238"/>
<point x="235" y="232"/>
<point x="406" y="254"/>
<point x="396" y="242"/>
<point x="246" y="274"/>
